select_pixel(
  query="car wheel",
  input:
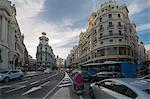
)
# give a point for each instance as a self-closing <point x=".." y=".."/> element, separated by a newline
<point x="91" y="93"/>
<point x="21" y="77"/>
<point x="6" y="79"/>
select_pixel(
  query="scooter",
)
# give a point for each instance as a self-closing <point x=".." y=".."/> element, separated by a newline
<point x="79" y="89"/>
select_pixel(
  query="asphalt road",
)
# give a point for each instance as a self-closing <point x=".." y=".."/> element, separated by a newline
<point x="36" y="87"/>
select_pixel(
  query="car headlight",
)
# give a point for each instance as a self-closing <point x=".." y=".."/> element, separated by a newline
<point x="1" y="76"/>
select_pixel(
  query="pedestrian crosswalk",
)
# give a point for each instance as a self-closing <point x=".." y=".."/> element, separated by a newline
<point x="66" y="81"/>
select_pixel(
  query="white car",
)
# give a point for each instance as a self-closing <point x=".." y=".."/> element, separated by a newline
<point x="12" y="74"/>
<point x="120" y="88"/>
<point x="47" y="71"/>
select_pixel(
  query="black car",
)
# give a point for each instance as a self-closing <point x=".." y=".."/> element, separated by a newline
<point x="105" y="75"/>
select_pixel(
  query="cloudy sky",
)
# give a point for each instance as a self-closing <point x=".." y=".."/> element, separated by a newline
<point x="63" y="20"/>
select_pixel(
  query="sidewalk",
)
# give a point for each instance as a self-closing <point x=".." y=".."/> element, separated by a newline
<point x="62" y="93"/>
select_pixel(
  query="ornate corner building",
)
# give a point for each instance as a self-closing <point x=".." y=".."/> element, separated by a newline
<point x="110" y="36"/>
<point x="45" y="56"/>
<point x="13" y="52"/>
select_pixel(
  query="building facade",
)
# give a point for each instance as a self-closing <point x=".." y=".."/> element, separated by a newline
<point x="12" y="47"/>
<point x="142" y="54"/>
<point x="59" y="62"/>
<point x="110" y="36"/>
<point x="45" y="56"/>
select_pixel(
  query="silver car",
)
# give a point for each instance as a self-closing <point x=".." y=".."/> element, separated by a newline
<point x="120" y="88"/>
<point x="12" y="74"/>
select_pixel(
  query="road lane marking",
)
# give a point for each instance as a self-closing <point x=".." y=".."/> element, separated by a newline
<point x="34" y="82"/>
<point x="20" y="82"/>
<point x="45" y="84"/>
<point x="65" y="85"/>
<point x="16" y="89"/>
<point x="52" y="90"/>
<point x="31" y="90"/>
<point x="5" y="86"/>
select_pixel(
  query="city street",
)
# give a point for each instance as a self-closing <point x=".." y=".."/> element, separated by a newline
<point x="56" y="85"/>
<point x="33" y="87"/>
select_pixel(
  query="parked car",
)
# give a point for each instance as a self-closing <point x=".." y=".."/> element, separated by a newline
<point x="86" y="76"/>
<point x="6" y="76"/>
<point x="47" y="71"/>
<point x="120" y="88"/>
<point x="147" y="77"/>
<point x="105" y="75"/>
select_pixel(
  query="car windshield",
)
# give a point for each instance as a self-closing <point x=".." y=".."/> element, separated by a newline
<point x="4" y="72"/>
<point x="147" y="91"/>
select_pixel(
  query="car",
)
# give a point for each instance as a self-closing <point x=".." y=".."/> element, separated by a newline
<point x="6" y="76"/>
<point x="47" y="71"/>
<point x="105" y="75"/>
<point x="120" y="88"/>
<point x="147" y="77"/>
<point x="86" y="76"/>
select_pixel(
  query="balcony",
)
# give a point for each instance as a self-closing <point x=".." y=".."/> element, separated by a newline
<point x="120" y="26"/>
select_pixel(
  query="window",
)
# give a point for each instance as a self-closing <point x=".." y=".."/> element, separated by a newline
<point x="119" y="32"/>
<point x="95" y="15"/>
<point x="112" y="51"/>
<point x="118" y="15"/>
<point x="101" y="27"/>
<point x="119" y="23"/>
<point x="120" y="40"/>
<point x="95" y="23"/>
<point x="106" y="84"/>
<point x="111" y="41"/>
<point x="102" y="42"/>
<point x="110" y="16"/>
<point x="122" y="89"/>
<point x="122" y="51"/>
<point x="110" y="33"/>
<point x="110" y="24"/>
<point x="100" y="19"/>
<point x="101" y="35"/>
<point x="95" y="31"/>
<point x="101" y="52"/>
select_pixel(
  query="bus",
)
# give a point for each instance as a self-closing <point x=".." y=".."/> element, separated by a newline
<point x="126" y="68"/>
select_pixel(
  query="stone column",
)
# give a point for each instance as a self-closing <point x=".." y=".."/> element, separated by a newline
<point x="3" y="28"/>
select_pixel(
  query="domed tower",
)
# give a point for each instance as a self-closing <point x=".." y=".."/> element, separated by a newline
<point x="45" y="56"/>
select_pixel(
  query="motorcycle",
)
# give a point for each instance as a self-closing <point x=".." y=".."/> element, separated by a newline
<point x="79" y="89"/>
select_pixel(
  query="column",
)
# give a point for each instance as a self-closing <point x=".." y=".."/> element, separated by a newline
<point x="3" y="29"/>
<point x="6" y="29"/>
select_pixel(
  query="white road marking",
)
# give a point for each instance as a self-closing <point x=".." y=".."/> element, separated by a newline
<point x="81" y="97"/>
<point x="20" y="82"/>
<point x="52" y="90"/>
<point x="65" y="85"/>
<point x="66" y="82"/>
<point x="16" y="89"/>
<point x="31" y="90"/>
<point x="5" y="86"/>
<point x="34" y="82"/>
<point x="44" y="84"/>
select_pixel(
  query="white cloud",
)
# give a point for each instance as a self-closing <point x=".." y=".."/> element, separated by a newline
<point x="31" y="26"/>
<point x="143" y="27"/>
<point x="147" y="47"/>
<point x="137" y="6"/>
